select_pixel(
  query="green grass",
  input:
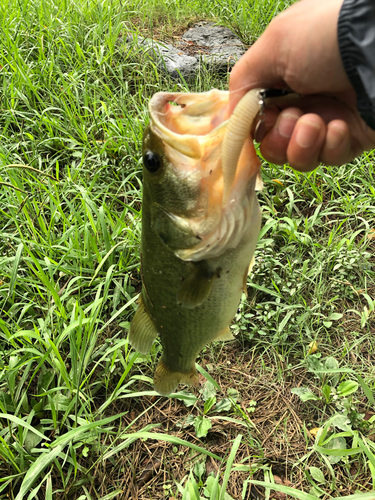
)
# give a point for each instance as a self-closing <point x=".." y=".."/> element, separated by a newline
<point x="78" y="414"/>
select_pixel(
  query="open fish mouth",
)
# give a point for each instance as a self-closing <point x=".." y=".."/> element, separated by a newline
<point x="203" y="146"/>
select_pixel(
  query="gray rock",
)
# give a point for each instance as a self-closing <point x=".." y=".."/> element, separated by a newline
<point x="172" y="60"/>
<point x="214" y="46"/>
<point x="224" y="48"/>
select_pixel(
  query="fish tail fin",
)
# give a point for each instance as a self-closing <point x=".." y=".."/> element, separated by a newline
<point x="142" y="330"/>
<point x="166" y="381"/>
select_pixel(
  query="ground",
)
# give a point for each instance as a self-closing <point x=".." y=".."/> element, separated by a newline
<point x="289" y="402"/>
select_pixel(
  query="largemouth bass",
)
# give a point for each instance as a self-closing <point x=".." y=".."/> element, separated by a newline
<point x="200" y="224"/>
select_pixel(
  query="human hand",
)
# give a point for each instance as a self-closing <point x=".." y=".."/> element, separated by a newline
<point x="299" y="50"/>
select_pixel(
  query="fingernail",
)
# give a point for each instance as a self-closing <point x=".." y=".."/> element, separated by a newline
<point x="335" y="136"/>
<point x="307" y="133"/>
<point x="286" y="123"/>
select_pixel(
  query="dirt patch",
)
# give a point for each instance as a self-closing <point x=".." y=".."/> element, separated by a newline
<point x="162" y="29"/>
<point x="192" y="49"/>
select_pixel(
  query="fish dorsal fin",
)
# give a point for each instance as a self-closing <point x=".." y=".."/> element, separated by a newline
<point x="259" y="183"/>
<point x="142" y="330"/>
<point x="251" y="265"/>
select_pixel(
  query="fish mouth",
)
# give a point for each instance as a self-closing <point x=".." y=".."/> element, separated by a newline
<point x="189" y="122"/>
<point x="201" y="140"/>
<point x="197" y="126"/>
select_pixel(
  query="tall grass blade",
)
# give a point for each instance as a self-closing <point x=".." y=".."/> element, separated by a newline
<point x="13" y="275"/>
<point x="228" y="468"/>
<point x="55" y="449"/>
<point x="24" y="424"/>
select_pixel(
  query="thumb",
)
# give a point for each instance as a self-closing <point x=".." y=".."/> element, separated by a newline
<point x="260" y="67"/>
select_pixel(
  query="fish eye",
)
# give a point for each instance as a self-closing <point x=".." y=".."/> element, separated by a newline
<point x="151" y="161"/>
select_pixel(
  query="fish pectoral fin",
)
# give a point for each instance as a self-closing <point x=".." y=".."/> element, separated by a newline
<point x="225" y="334"/>
<point x="166" y="381"/>
<point x="142" y="330"/>
<point x="196" y="288"/>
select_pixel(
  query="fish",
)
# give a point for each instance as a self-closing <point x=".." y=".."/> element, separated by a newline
<point x="200" y="224"/>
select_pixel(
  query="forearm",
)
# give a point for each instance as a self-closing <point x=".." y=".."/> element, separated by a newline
<point x="356" y="36"/>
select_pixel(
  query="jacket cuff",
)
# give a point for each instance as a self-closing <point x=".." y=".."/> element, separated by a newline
<point x="356" y="38"/>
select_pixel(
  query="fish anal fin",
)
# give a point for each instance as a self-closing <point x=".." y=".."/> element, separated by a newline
<point x="196" y="287"/>
<point x="225" y="334"/>
<point x="166" y="381"/>
<point x="142" y="330"/>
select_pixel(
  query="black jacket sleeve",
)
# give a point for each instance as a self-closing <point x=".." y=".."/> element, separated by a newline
<point x="356" y="36"/>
